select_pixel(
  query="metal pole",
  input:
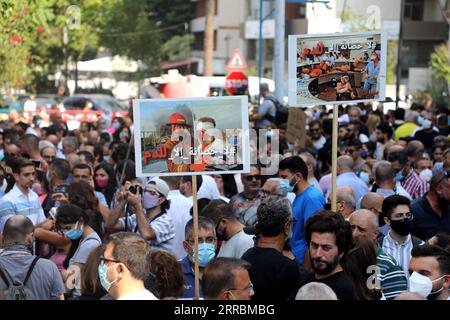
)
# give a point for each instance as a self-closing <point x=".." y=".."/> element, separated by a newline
<point x="279" y="48"/>
<point x="260" y="49"/>
<point x="334" y="157"/>
<point x="399" y="53"/>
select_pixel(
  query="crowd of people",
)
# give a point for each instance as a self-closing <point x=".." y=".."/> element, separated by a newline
<point x="76" y="222"/>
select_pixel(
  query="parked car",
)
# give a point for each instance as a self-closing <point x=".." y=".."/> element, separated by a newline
<point x="100" y="102"/>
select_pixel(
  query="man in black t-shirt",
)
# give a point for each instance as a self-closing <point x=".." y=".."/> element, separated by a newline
<point x="328" y="237"/>
<point x="274" y="276"/>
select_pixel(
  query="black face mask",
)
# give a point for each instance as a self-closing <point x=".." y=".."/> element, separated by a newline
<point x="402" y="227"/>
<point x="26" y="155"/>
<point x="223" y="235"/>
<point x="327" y="206"/>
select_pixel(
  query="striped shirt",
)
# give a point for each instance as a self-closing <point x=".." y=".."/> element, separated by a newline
<point x="163" y="227"/>
<point x="415" y="185"/>
<point x="400" y="251"/>
<point x="15" y="202"/>
<point x="392" y="278"/>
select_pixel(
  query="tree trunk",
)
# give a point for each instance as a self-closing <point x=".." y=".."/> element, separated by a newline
<point x="209" y="38"/>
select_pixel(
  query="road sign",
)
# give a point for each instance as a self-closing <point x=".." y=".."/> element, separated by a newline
<point x="237" y="62"/>
<point x="236" y="83"/>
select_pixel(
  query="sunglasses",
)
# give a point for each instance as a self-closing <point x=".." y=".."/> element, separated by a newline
<point x="251" y="178"/>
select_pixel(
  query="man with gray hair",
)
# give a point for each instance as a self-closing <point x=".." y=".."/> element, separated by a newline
<point x="70" y="145"/>
<point x="315" y="291"/>
<point x="277" y="187"/>
<point x="311" y="163"/>
<point x="347" y="178"/>
<point x="18" y="264"/>
<point x="274" y="276"/>
<point x="345" y="201"/>
<point x="393" y="280"/>
<point x="386" y="182"/>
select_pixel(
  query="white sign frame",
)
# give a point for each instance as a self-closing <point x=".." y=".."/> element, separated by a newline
<point x="245" y="136"/>
<point x="296" y="101"/>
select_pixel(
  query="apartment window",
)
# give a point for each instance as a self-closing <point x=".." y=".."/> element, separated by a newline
<point x="413" y="10"/>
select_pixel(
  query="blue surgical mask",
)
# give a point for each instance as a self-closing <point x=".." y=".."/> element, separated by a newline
<point x="364" y="176"/>
<point x="420" y="120"/>
<point x="285" y="186"/>
<point x="399" y="176"/>
<point x="75" y="234"/>
<point x="206" y="252"/>
<point x="105" y="158"/>
<point x="102" y="274"/>
<point x="364" y="154"/>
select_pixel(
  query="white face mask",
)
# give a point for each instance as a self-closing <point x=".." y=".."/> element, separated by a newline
<point x="426" y="174"/>
<point x="421" y="284"/>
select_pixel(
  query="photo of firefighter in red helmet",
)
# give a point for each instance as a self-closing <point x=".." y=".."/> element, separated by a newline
<point x="178" y="136"/>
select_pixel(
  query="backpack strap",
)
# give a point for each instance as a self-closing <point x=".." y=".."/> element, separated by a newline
<point x="4" y="275"/>
<point x="30" y="270"/>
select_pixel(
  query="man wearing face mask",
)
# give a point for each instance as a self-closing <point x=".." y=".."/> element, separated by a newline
<point x="430" y="272"/>
<point x="399" y="241"/>
<point x="207" y="245"/>
<point x="307" y="202"/>
<point x="124" y="267"/>
<point x="235" y="242"/>
<point x="17" y="260"/>
<point x="150" y="220"/>
<point x="432" y="211"/>
<point x="427" y="132"/>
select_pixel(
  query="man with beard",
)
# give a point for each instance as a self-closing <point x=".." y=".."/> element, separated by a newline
<point x="244" y="204"/>
<point x="432" y="211"/>
<point x="393" y="281"/>
<point x="307" y="202"/>
<point x="274" y="276"/>
<point x="430" y="272"/>
<point x="21" y="199"/>
<point x="329" y="237"/>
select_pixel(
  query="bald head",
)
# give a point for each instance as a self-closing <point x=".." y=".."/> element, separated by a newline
<point x="372" y="201"/>
<point x="396" y="147"/>
<point x="364" y="224"/>
<point x="344" y="164"/>
<point x="18" y="229"/>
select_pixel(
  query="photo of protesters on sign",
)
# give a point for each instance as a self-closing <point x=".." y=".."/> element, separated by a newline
<point x="336" y="68"/>
<point x="192" y="136"/>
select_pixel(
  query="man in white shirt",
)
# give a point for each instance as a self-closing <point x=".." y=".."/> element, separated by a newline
<point x="21" y="199"/>
<point x="124" y="267"/>
<point x="235" y="242"/>
<point x="315" y="131"/>
<point x="179" y="213"/>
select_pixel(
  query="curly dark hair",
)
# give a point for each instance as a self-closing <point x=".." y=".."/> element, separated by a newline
<point x="169" y="277"/>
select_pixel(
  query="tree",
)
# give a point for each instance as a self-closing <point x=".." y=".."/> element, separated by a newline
<point x="440" y="63"/>
<point x="209" y="38"/>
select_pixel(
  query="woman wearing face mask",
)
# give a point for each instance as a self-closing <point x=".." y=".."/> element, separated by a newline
<point x="75" y="224"/>
<point x="150" y="220"/>
<point x="123" y="134"/>
<point x="104" y="181"/>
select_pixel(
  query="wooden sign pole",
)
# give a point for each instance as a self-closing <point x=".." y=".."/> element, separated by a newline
<point x="334" y="157"/>
<point x="195" y="217"/>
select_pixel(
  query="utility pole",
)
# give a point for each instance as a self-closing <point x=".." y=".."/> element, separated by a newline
<point x="208" y="46"/>
<point x="399" y="53"/>
<point x="279" y="48"/>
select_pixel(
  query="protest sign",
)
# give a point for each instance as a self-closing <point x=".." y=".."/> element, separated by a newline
<point x="337" y="68"/>
<point x="191" y="136"/>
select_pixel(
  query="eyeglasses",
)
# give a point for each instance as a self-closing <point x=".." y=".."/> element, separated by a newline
<point x="314" y="130"/>
<point x="209" y="240"/>
<point x="247" y="288"/>
<point x="255" y="177"/>
<point x="406" y="215"/>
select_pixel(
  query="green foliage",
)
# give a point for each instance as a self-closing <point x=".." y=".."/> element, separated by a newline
<point x="177" y="48"/>
<point x="440" y="63"/>
<point x="392" y="50"/>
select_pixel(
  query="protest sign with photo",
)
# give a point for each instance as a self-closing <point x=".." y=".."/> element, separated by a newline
<point x="191" y="136"/>
<point x="337" y="68"/>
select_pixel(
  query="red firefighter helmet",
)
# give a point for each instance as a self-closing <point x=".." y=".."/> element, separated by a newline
<point x="177" y="119"/>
